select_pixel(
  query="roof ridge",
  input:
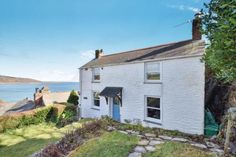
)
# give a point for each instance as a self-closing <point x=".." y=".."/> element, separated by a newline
<point x="146" y="48"/>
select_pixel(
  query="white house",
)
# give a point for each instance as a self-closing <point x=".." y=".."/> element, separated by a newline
<point x="160" y="86"/>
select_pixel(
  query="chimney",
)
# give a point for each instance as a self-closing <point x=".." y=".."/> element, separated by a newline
<point x="98" y="53"/>
<point x="196" y="26"/>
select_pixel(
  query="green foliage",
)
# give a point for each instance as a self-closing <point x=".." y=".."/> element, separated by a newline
<point x="112" y="144"/>
<point x="37" y="116"/>
<point x="68" y="115"/>
<point x="73" y="98"/>
<point x="27" y="140"/>
<point x="176" y="149"/>
<point x="219" y="25"/>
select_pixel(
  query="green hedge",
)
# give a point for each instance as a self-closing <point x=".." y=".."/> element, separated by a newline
<point x="68" y="115"/>
<point x="36" y="116"/>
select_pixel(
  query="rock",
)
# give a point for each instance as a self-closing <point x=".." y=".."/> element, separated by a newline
<point x="199" y="145"/>
<point x="135" y="133"/>
<point x="219" y="152"/>
<point x="165" y="137"/>
<point x="123" y="132"/>
<point x="213" y="137"/>
<point x="150" y="148"/>
<point x="150" y="135"/>
<point x="143" y="142"/>
<point x="141" y="136"/>
<point x="129" y="131"/>
<point x="232" y="146"/>
<point x="110" y="128"/>
<point x="179" y="139"/>
<point x="135" y="154"/>
<point x="140" y="149"/>
<point x="157" y="139"/>
<point x="212" y="145"/>
<point x="155" y="142"/>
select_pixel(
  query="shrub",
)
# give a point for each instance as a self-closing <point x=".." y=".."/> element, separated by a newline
<point x="73" y="98"/>
<point x="36" y="116"/>
<point x="68" y="115"/>
<point x="55" y="113"/>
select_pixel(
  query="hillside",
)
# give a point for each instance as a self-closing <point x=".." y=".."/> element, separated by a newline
<point x="9" y="79"/>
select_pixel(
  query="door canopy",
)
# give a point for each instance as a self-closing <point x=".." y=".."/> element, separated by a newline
<point x="112" y="92"/>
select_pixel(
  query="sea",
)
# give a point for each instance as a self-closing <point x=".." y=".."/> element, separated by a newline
<point x="17" y="92"/>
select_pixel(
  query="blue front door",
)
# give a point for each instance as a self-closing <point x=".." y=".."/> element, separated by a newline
<point x="116" y="109"/>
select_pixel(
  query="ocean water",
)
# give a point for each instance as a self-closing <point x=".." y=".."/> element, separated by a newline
<point x="16" y="92"/>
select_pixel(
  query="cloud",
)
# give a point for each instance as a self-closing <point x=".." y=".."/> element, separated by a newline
<point x="185" y="7"/>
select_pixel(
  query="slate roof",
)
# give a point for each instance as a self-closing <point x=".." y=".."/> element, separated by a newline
<point x="166" y="51"/>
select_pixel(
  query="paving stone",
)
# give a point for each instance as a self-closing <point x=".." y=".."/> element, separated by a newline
<point x="199" y="145"/>
<point x="140" y="149"/>
<point x="157" y="139"/>
<point x="143" y="142"/>
<point x="150" y="148"/>
<point x="129" y="131"/>
<point x="212" y="145"/>
<point x="150" y="135"/>
<point x="141" y="136"/>
<point x="155" y="142"/>
<point x="135" y="154"/>
<point x="179" y="139"/>
<point x="135" y="133"/>
<point x="165" y="137"/>
<point x="123" y="132"/>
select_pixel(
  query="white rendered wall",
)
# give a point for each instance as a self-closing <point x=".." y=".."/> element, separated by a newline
<point x="181" y="91"/>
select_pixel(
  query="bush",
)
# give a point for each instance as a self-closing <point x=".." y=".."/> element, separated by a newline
<point x="68" y="115"/>
<point x="55" y="113"/>
<point x="73" y="98"/>
<point x="36" y="116"/>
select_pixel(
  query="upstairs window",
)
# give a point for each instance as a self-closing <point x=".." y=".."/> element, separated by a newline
<point x="96" y="99"/>
<point x="96" y="74"/>
<point x="152" y="71"/>
<point x="153" y="108"/>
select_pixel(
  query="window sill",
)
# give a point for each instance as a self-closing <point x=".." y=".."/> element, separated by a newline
<point x="152" y="82"/>
<point x="95" y="108"/>
<point x="153" y="122"/>
<point x="95" y="81"/>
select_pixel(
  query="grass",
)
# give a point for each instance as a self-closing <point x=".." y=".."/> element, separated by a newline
<point x="28" y="140"/>
<point x="113" y="144"/>
<point x="176" y="149"/>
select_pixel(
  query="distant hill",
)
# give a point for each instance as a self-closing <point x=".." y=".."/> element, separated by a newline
<point x="9" y="79"/>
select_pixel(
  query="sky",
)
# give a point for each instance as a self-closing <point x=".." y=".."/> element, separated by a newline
<point x="49" y="40"/>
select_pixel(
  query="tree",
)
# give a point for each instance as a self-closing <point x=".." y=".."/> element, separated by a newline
<point x="73" y="98"/>
<point x="219" y="25"/>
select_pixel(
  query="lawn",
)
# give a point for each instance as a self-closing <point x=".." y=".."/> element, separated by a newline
<point x="176" y="149"/>
<point x="25" y="141"/>
<point x="113" y="144"/>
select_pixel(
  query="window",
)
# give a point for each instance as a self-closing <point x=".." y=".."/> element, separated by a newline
<point x="96" y="74"/>
<point x="152" y="71"/>
<point x="96" y="99"/>
<point x="153" y="108"/>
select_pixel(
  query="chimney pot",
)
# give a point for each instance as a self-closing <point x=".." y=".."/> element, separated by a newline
<point x="98" y="53"/>
<point x="196" y="25"/>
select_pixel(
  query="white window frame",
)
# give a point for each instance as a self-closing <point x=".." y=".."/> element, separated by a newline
<point x="145" y="108"/>
<point x="93" y="105"/>
<point x="93" y="74"/>
<point x="145" y="72"/>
